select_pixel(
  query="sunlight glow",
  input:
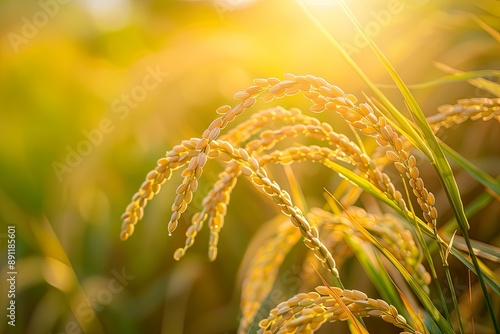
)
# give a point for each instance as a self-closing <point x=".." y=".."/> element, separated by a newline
<point x="111" y="14"/>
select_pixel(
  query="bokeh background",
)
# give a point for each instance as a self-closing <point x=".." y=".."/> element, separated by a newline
<point x="137" y="77"/>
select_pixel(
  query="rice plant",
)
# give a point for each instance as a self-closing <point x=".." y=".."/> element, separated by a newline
<point x="403" y="248"/>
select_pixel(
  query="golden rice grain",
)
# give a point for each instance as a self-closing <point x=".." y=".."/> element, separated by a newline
<point x="465" y="109"/>
<point x="305" y="314"/>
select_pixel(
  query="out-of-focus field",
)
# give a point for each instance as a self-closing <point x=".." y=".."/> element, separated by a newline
<point x="93" y="93"/>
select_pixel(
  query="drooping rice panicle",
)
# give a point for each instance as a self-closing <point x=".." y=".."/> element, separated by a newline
<point x="216" y="201"/>
<point x="324" y="97"/>
<point x="465" y="109"/>
<point x="269" y="89"/>
<point x="194" y="170"/>
<point x="176" y="158"/>
<point x="307" y="312"/>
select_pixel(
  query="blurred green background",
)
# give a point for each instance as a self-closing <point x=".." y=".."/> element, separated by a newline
<point x="93" y="92"/>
